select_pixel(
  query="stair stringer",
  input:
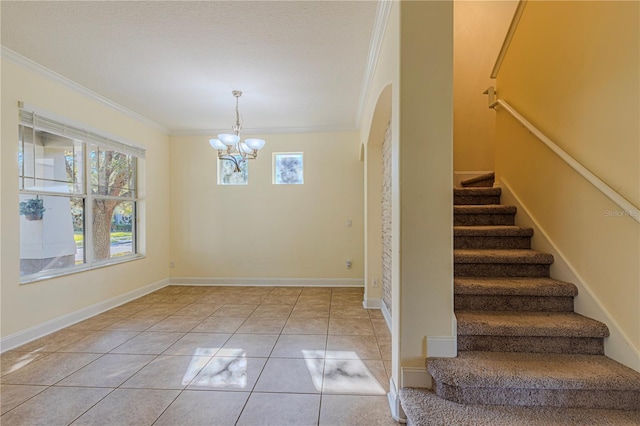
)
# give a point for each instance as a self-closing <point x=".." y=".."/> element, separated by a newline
<point x="617" y="346"/>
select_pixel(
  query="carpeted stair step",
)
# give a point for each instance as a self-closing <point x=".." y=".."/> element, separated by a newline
<point x="501" y="263"/>
<point x="475" y="196"/>
<point x="540" y="332"/>
<point x="424" y="408"/>
<point x="484" y="180"/>
<point x="492" y="237"/>
<point x="513" y="294"/>
<point x="526" y="379"/>
<point x="490" y="214"/>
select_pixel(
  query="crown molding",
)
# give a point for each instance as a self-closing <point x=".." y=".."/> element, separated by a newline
<point x="43" y="71"/>
<point x="265" y="131"/>
<point x="379" y="26"/>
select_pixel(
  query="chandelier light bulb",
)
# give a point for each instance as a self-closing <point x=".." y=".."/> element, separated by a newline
<point x="216" y="144"/>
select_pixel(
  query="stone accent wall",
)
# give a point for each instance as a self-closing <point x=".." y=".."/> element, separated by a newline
<point x="386" y="218"/>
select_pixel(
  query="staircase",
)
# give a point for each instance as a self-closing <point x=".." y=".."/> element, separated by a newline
<point x="520" y="343"/>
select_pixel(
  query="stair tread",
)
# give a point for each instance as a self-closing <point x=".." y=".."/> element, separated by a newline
<point x="507" y="286"/>
<point x="491" y="231"/>
<point x="484" y="209"/>
<point x="502" y="256"/>
<point x="528" y="324"/>
<point x="486" y="176"/>
<point x="533" y="371"/>
<point x="478" y="190"/>
<point x="423" y="407"/>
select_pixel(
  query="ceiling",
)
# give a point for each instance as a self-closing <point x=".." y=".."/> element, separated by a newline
<point x="302" y="65"/>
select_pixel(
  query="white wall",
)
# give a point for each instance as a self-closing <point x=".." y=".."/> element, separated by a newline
<point x="263" y="230"/>
<point x="29" y="305"/>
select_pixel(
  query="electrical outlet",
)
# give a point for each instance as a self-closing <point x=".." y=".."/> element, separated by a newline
<point x="347" y="263"/>
<point x="349" y="223"/>
<point x="375" y="283"/>
<point x="172" y="264"/>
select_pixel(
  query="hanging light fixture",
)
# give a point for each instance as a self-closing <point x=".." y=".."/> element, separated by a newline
<point x="230" y="146"/>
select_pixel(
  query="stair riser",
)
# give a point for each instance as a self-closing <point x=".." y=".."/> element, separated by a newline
<point x="491" y="242"/>
<point x="536" y="344"/>
<point x="605" y="399"/>
<point x="485" y="183"/>
<point x="472" y="302"/>
<point x="483" y="219"/>
<point x="467" y="200"/>
<point x="500" y="270"/>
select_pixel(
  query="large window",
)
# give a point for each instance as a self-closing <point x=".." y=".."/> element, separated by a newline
<point x="78" y="199"/>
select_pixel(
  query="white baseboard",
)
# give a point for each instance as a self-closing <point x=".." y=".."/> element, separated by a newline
<point x="618" y="345"/>
<point x="278" y="282"/>
<point x="394" y="403"/>
<point x="416" y="377"/>
<point x="41" y="330"/>
<point x="387" y="315"/>
<point x="372" y="303"/>
<point x="442" y="346"/>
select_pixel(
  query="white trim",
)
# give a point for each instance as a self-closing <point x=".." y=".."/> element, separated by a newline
<point x="617" y="336"/>
<point x="442" y="346"/>
<point x="416" y="377"/>
<point x="508" y="37"/>
<point x="630" y="210"/>
<point x="278" y="282"/>
<point x="40" y="330"/>
<point x="372" y="303"/>
<point x="386" y="314"/>
<point x="394" y="403"/>
<point x="45" y="72"/>
<point x="379" y="26"/>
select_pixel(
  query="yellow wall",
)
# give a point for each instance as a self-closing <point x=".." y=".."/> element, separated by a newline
<point x="25" y="306"/>
<point x="479" y="30"/>
<point x="572" y="70"/>
<point x="263" y="230"/>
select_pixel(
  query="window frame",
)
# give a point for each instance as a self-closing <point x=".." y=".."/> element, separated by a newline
<point x="92" y="141"/>
<point x="274" y="180"/>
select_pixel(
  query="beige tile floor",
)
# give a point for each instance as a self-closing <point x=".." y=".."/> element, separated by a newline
<point x="208" y="356"/>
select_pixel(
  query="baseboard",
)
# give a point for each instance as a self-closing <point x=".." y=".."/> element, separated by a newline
<point x="444" y="346"/>
<point x="460" y="176"/>
<point x="394" y="403"/>
<point x="415" y="377"/>
<point x="41" y="330"/>
<point x="387" y="315"/>
<point x="618" y="345"/>
<point x="372" y="303"/>
<point x="268" y="282"/>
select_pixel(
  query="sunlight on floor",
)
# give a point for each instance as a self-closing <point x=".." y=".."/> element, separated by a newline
<point x="221" y="372"/>
<point x="346" y="373"/>
<point x="23" y="361"/>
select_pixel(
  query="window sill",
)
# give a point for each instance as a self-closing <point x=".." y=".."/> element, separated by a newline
<point x="28" y="279"/>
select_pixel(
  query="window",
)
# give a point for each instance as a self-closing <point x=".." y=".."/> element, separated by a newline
<point x="78" y="199"/>
<point x="227" y="174"/>
<point x="288" y="168"/>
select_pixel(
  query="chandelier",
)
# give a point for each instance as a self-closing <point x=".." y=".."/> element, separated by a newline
<point x="230" y="147"/>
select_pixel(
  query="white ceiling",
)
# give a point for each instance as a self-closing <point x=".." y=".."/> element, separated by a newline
<point x="301" y="65"/>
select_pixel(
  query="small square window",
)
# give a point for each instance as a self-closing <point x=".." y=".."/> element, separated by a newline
<point x="288" y="168"/>
<point x="227" y="174"/>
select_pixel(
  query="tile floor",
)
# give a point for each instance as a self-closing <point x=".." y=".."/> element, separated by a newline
<point x="208" y="356"/>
